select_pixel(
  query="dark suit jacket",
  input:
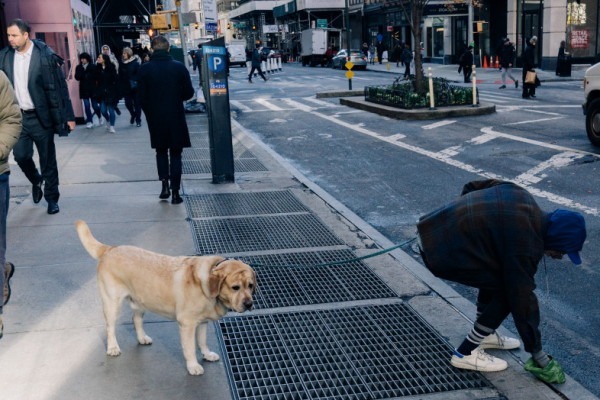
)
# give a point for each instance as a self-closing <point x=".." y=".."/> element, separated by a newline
<point x="46" y="85"/>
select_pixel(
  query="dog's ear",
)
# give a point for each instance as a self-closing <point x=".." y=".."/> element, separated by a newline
<point x="206" y="277"/>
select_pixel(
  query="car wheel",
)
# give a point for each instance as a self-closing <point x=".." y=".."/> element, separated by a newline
<point x="592" y="122"/>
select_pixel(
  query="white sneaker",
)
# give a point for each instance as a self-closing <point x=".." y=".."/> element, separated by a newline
<point x="479" y="360"/>
<point x="89" y="125"/>
<point x="100" y="121"/>
<point x="495" y="341"/>
<point x="111" y="129"/>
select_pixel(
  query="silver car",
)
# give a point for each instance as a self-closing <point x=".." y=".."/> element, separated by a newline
<point x="356" y="56"/>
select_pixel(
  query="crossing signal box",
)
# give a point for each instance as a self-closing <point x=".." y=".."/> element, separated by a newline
<point x="165" y="21"/>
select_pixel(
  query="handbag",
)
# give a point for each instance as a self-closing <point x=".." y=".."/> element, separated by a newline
<point x="530" y="77"/>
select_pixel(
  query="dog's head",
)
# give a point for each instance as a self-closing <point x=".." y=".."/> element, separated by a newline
<point x="233" y="283"/>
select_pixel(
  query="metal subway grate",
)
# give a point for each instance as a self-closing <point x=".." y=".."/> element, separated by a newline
<point x="261" y="233"/>
<point x="239" y="165"/>
<point x="203" y="153"/>
<point x="371" y="352"/>
<point x="292" y="279"/>
<point x="251" y="203"/>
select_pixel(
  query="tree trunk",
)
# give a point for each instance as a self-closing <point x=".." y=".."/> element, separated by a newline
<point x="417" y="13"/>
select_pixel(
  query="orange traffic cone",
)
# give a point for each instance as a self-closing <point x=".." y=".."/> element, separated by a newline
<point x="497" y="62"/>
<point x="485" y="63"/>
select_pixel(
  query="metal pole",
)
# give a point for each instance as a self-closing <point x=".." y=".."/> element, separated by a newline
<point x="470" y="24"/>
<point x="348" y="39"/>
<point x="181" y="34"/>
<point x="431" y="97"/>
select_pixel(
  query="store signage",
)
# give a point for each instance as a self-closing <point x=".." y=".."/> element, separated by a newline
<point x="446" y="9"/>
<point x="580" y="39"/>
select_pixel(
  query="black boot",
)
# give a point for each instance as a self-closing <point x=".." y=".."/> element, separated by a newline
<point x="165" y="193"/>
<point x="176" y="198"/>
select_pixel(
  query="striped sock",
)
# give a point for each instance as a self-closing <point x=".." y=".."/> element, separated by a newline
<point x="474" y="338"/>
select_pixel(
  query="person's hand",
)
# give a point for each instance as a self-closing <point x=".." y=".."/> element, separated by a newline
<point x="71" y="125"/>
<point x="552" y="373"/>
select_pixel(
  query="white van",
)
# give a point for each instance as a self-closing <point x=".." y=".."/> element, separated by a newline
<point x="238" y="53"/>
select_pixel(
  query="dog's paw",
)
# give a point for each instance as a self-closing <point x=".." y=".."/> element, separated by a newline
<point x="194" y="368"/>
<point x="210" y="356"/>
<point x="113" y="351"/>
<point x="145" y="340"/>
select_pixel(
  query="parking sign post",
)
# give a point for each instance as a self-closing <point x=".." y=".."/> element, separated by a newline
<point x="216" y="91"/>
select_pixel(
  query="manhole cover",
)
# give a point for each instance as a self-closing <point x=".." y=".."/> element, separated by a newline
<point x="371" y="352"/>
<point x="294" y="279"/>
<point x="235" y="235"/>
<point x="252" y="203"/>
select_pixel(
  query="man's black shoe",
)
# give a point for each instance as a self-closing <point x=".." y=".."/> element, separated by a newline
<point x="176" y="198"/>
<point x="53" y="207"/>
<point x="117" y="110"/>
<point x="9" y="270"/>
<point x="36" y="192"/>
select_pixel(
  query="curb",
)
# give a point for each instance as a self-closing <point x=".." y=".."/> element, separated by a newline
<point x="419" y="114"/>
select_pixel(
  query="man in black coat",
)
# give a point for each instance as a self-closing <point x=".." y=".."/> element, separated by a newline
<point x="84" y="73"/>
<point x="164" y="84"/>
<point x="34" y="70"/>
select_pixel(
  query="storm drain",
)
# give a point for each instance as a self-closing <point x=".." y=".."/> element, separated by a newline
<point x="293" y="279"/>
<point x="371" y="352"/>
<point x="239" y="165"/>
<point x="251" y="203"/>
<point x="246" y="234"/>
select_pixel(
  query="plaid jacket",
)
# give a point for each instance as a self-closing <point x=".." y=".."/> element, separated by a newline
<point x="490" y="237"/>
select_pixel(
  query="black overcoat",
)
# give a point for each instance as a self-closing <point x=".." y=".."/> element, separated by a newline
<point x="163" y="85"/>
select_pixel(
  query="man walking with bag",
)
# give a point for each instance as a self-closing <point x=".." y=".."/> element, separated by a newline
<point x="528" y="66"/>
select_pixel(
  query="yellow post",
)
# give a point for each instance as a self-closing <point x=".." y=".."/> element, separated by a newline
<point x="431" y="97"/>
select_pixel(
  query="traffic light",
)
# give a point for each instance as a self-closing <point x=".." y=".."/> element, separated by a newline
<point x="397" y="35"/>
<point x="253" y="27"/>
<point x="196" y="25"/>
<point x="229" y="25"/>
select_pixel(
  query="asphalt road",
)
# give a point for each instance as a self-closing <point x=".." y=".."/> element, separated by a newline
<point x="391" y="172"/>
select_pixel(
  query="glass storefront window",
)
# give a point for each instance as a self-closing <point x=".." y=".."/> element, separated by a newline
<point x="581" y="27"/>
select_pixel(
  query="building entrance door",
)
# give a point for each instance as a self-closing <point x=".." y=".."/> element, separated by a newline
<point x="460" y="33"/>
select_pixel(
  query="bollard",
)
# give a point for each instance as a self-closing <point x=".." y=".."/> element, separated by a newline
<point x="279" y="64"/>
<point x="249" y="66"/>
<point x="431" y="97"/>
<point x="474" y="87"/>
<point x="387" y="66"/>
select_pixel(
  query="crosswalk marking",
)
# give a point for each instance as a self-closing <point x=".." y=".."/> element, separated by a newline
<point x="240" y="105"/>
<point x="298" y="105"/>
<point x="270" y="106"/>
<point x="320" y="102"/>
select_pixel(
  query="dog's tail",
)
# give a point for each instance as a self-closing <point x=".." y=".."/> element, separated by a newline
<point x="94" y="247"/>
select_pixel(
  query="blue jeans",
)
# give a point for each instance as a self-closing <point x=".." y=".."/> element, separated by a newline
<point x="108" y="111"/>
<point x="4" y="200"/>
<point x="91" y="107"/>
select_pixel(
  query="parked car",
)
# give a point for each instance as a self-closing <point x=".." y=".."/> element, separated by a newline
<point x="591" y="106"/>
<point x="356" y="56"/>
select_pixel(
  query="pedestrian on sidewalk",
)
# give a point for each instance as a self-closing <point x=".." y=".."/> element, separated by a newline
<point x="128" y="82"/>
<point x="406" y="58"/>
<point x="466" y="64"/>
<point x="10" y="130"/>
<point x="529" y="65"/>
<point x="257" y="59"/>
<point x="113" y="59"/>
<point x="106" y="90"/>
<point x="507" y="60"/>
<point x="492" y="238"/>
<point x="164" y="84"/>
<point x="36" y="73"/>
<point x="85" y="73"/>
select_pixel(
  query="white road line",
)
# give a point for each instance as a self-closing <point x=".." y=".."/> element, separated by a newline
<point x="532" y="121"/>
<point x="554" y="198"/>
<point x="297" y="105"/>
<point x="540" y="112"/>
<point x="493" y="99"/>
<point x="556" y="161"/>
<point x="270" y="106"/>
<point x="320" y="102"/>
<point x="240" y="105"/>
<point x="438" y="124"/>
<point x="489" y="132"/>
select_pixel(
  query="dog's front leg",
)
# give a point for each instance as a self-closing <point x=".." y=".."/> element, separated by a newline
<point x="206" y="353"/>
<point x="186" y="332"/>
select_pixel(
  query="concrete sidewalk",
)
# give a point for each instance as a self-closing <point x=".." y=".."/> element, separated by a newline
<point x="54" y="341"/>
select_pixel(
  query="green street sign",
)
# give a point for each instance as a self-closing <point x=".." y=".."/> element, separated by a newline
<point x="322" y="23"/>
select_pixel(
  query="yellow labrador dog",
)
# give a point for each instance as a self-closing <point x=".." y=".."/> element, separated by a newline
<point x="190" y="290"/>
